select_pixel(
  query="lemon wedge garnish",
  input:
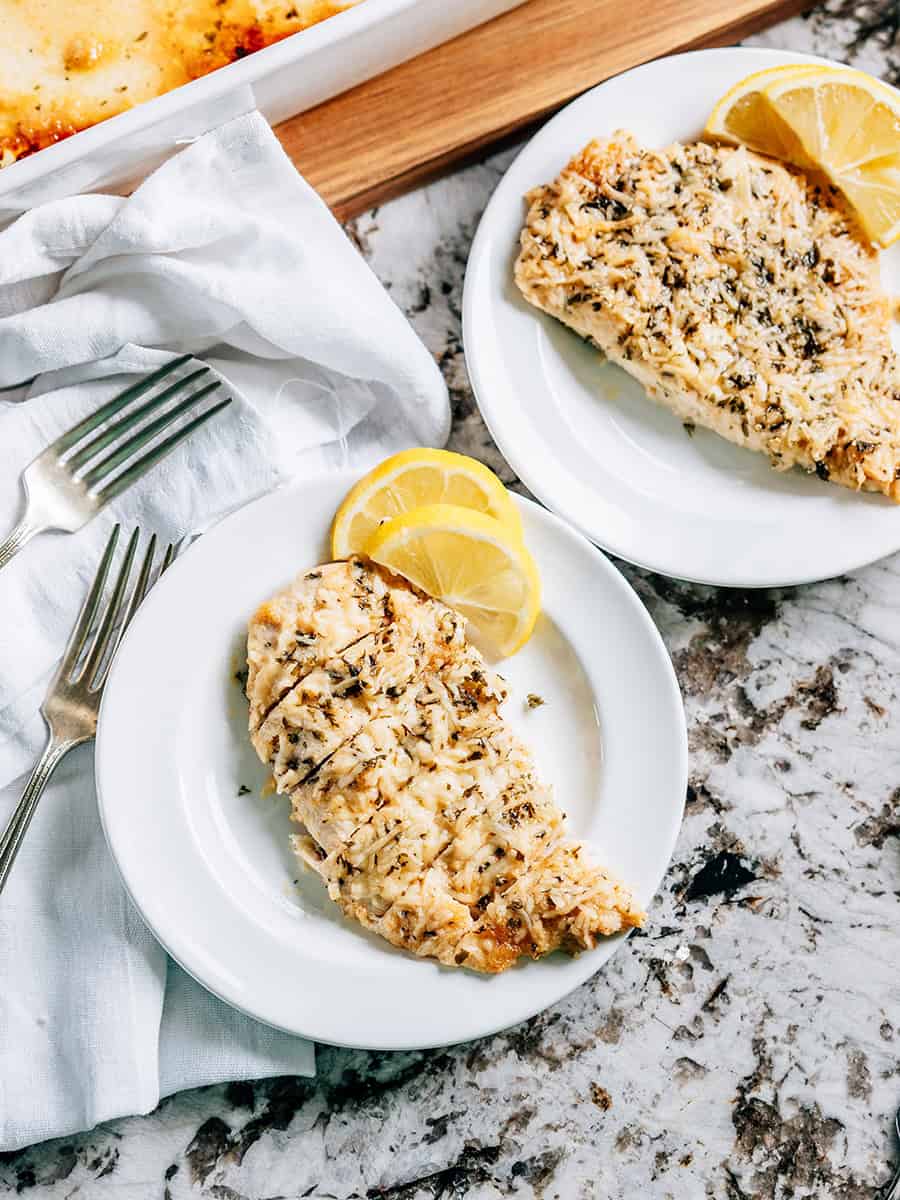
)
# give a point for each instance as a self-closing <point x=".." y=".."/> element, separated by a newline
<point x="835" y="120"/>
<point x="474" y="562"/>
<point x="413" y="478"/>
<point x="849" y="125"/>
<point x="743" y="116"/>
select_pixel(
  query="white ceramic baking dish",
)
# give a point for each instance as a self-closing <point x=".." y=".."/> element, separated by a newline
<point x="281" y="80"/>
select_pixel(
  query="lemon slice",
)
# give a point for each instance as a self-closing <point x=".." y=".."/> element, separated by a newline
<point x="744" y="116"/>
<point x="836" y="120"/>
<point x="475" y="563"/>
<point x="411" y="479"/>
<point x="849" y="125"/>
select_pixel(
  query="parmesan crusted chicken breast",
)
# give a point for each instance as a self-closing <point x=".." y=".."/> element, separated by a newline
<point x="741" y="294"/>
<point x="320" y="614"/>
<point x="420" y="809"/>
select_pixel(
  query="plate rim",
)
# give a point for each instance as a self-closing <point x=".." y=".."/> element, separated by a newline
<point x="492" y="416"/>
<point x="668" y="679"/>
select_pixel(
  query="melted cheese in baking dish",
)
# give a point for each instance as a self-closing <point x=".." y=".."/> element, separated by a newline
<point x="68" y="64"/>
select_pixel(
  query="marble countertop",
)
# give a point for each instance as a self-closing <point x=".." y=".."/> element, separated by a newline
<point x="747" y="1044"/>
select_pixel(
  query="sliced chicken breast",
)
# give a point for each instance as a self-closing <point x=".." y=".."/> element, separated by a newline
<point x="317" y="616"/>
<point x="375" y="676"/>
<point x="420" y="809"/>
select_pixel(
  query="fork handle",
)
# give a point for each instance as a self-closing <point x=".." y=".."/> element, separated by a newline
<point x="23" y="532"/>
<point x="17" y="827"/>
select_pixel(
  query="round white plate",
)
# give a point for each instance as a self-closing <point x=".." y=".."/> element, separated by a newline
<point x="583" y="435"/>
<point x="208" y="863"/>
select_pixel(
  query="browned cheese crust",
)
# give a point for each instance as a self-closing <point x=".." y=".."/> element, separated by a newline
<point x="420" y="809"/>
<point x="741" y="294"/>
<point x="72" y="65"/>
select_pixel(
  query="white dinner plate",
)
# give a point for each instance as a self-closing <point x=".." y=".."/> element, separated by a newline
<point x="203" y="848"/>
<point x="584" y="436"/>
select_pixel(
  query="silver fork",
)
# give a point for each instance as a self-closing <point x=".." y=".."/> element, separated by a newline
<point x="73" y="698"/>
<point x="62" y="491"/>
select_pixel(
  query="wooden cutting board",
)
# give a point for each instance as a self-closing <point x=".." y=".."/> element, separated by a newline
<point x="438" y="110"/>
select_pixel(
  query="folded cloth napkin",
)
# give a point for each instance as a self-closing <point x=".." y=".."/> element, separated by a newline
<point x="226" y="253"/>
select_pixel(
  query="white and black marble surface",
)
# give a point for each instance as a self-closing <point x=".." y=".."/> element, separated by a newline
<point x="747" y="1044"/>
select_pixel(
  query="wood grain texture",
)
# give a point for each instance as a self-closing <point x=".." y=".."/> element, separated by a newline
<point x="430" y="114"/>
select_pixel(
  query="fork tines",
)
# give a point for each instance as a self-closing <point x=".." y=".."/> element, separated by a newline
<point x="72" y="703"/>
<point x="100" y="626"/>
<point x="123" y="438"/>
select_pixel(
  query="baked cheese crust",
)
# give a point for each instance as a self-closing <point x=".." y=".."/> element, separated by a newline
<point x="66" y="66"/>
<point x="420" y="809"/>
<point x="741" y="294"/>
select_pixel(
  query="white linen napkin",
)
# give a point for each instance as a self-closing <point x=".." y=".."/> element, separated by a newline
<point x="224" y="252"/>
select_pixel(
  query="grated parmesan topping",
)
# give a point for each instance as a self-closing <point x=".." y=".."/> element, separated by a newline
<point x="740" y="293"/>
<point x="421" y="810"/>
